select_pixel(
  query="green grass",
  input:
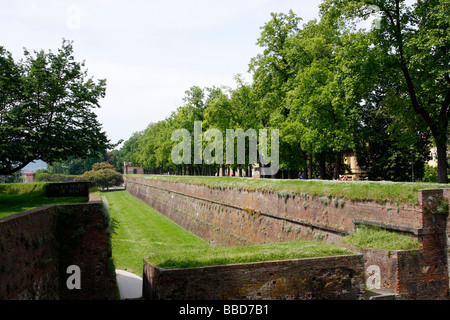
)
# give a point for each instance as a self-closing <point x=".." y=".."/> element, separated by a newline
<point x="378" y="191"/>
<point x="371" y="237"/>
<point x="19" y="197"/>
<point x="139" y="231"/>
<point x="210" y="256"/>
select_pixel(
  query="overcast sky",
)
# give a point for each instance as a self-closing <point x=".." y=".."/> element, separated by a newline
<point x="150" y="52"/>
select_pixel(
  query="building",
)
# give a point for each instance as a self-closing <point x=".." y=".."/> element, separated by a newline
<point x="28" y="176"/>
<point x="131" y="169"/>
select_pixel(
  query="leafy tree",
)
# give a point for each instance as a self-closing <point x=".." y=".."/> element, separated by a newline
<point x="16" y="177"/>
<point x="412" y="46"/>
<point x="103" y="175"/>
<point x="46" y="103"/>
<point x="102" y="166"/>
<point x="317" y="101"/>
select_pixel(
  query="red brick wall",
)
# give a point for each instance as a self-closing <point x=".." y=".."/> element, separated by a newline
<point x="37" y="246"/>
<point x="327" y="278"/>
<point x="257" y="216"/>
<point x="233" y="217"/>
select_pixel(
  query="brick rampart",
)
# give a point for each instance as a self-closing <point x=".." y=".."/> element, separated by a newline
<point x="236" y="217"/>
<point x="326" y="278"/>
<point x="240" y="216"/>
<point x="37" y="247"/>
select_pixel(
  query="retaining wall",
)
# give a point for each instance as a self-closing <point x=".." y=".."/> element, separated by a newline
<point x="238" y="217"/>
<point x="37" y="247"/>
<point x="327" y="278"/>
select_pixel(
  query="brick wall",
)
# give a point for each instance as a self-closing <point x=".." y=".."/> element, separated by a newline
<point x="240" y="216"/>
<point x="37" y="246"/>
<point x="236" y="217"/>
<point x="327" y="278"/>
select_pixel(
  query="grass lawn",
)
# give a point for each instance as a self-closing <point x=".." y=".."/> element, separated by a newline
<point x="19" y="197"/>
<point x="139" y="231"/>
<point x="244" y="254"/>
<point x="371" y="237"/>
<point x="379" y="191"/>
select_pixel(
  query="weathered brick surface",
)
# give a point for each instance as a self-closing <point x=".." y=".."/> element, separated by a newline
<point x="258" y="216"/>
<point x="29" y="266"/>
<point x="37" y="246"/>
<point x="233" y="217"/>
<point x="340" y="277"/>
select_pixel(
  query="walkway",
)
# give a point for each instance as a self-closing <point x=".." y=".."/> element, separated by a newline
<point x="130" y="285"/>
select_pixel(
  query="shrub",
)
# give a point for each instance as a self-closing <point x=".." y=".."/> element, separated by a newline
<point x="430" y="174"/>
<point x="104" y="178"/>
<point x="47" y="177"/>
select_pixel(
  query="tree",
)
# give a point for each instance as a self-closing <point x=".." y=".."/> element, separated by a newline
<point x="103" y="175"/>
<point x="46" y="103"/>
<point x="317" y="101"/>
<point x="413" y="48"/>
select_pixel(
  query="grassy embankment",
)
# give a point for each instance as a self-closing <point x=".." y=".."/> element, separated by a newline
<point x="18" y="197"/>
<point x="140" y="231"/>
<point x="378" y="191"/>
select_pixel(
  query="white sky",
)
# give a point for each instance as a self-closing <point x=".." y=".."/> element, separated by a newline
<point x="150" y="52"/>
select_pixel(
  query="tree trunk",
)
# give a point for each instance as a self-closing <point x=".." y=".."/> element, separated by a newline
<point x="321" y="168"/>
<point x="442" y="162"/>
<point x="337" y="166"/>
<point x="310" y="169"/>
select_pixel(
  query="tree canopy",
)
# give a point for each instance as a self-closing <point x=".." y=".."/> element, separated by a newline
<point x="331" y="86"/>
<point x="46" y="109"/>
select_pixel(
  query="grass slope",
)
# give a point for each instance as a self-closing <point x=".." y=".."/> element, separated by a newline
<point x="244" y="254"/>
<point x="19" y="197"/>
<point x="371" y="237"/>
<point x="140" y="231"/>
<point x="137" y="229"/>
<point x="379" y="191"/>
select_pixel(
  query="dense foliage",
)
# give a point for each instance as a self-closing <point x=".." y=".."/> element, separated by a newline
<point x="103" y="175"/>
<point x="330" y="86"/>
<point x="46" y="103"/>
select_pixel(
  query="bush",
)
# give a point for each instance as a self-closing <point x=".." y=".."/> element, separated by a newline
<point x="103" y="175"/>
<point x="430" y="174"/>
<point x="46" y="177"/>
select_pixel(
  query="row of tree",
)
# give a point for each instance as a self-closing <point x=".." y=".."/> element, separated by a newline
<point x="326" y="85"/>
<point x="330" y="86"/>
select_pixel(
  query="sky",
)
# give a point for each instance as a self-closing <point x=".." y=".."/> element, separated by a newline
<point x="149" y="52"/>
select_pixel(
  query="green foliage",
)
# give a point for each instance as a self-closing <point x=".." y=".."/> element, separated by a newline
<point x="430" y="174"/>
<point x="408" y="70"/>
<point x="102" y="166"/>
<point x="329" y="88"/>
<point x="103" y="175"/>
<point x="16" y="177"/>
<point x="46" y="109"/>
<point x="46" y="177"/>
